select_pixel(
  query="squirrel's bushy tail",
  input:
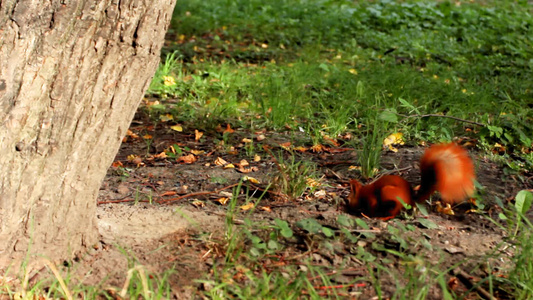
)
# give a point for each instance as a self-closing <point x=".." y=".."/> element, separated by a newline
<point x="448" y="169"/>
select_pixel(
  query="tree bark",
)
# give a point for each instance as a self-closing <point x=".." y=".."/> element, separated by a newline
<point x="72" y="74"/>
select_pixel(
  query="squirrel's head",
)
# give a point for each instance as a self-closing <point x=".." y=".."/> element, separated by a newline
<point x="355" y="190"/>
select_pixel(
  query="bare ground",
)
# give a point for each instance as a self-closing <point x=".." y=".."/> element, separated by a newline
<point x="139" y="225"/>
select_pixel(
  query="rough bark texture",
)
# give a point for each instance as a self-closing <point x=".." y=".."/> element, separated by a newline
<point x="72" y="74"/>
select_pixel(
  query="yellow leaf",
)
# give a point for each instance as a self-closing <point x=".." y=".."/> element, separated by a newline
<point x="245" y="140"/>
<point x="166" y="118"/>
<point x="311" y="182"/>
<point x="247" y="206"/>
<point x="244" y="163"/>
<point x="251" y="179"/>
<point x="257" y="158"/>
<point x="177" y="128"/>
<point x="394" y="139"/>
<point x="147" y="137"/>
<point x="353" y="71"/>
<point x="229" y="166"/>
<point x="169" y="80"/>
<point x="447" y="210"/>
<point x="197" y="152"/>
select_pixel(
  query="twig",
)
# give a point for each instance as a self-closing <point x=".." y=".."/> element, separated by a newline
<point x="196" y="194"/>
<point x="465" y="278"/>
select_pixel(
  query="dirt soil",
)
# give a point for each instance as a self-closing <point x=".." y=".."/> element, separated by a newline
<point x="151" y="214"/>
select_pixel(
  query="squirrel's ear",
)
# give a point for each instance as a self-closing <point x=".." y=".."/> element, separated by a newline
<point x="355" y="185"/>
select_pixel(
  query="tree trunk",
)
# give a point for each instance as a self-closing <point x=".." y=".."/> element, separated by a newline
<point x="72" y="74"/>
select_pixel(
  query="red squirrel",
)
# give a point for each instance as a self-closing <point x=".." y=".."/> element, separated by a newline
<point x="445" y="168"/>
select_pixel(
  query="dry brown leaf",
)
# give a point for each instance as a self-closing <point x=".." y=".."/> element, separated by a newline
<point x="222" y="200"/>
<point x="147" y="137"/>
<point x="244" y="163"/>
<point x="220" y="161"/>
<point x="187" y="159"/>
<point x="132" y="134"/>
<point x="318" y="148"/>
<point x="198" y="203"/>
<point x="197" y="135"/>
<point x="265" y="208"/>
<point x="161" y="155"/>
<point x="228" y="129"/>
<point x="260" y="137"/>
<point x="117" y="164"/>
<point x="286" y="146"/>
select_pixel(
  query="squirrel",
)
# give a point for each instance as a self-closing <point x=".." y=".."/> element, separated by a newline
<point x="445" y="168"/>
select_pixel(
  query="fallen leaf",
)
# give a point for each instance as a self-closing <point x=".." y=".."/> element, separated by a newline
<point x="311" y="182"/>
<point x="331" y="141"/>
<point x="229" y="166"/>
<point x="228" y="129"/>
<point x="198" y="203"/>
<point x="187" y="159"/>
<point x="117" y="164"/>
<point x="301" y="149"/>
<point x="247" y="206"/>
<point x="257" y="158"/>
<point x="251" y="179"/>
<point x="393" y="139"/>
<point x="220" y="161"/>
<point x="222" y="200"/>
<point x="286" y="145"/>
<point x="246" y="140"/>
<point x="260" y="137"/>
<point x="161" y="155"/>
<point x="147" y="137"/>
<point x="132" y="134"/>
<point x="321" y="194"/>
<point x="197" y="135"/>
<point x="244" y="163"/>
<point x="197" y="152"/>
<point x="265" y="208"/>
<point x="318" y="148"/>
<point x="169" y="80"/>
<point x="447" y="210"/>
<point x="177" y="128"/>
<point x="166" y="118"/>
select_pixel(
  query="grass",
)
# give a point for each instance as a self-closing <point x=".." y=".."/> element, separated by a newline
<point x="318" y="66"/>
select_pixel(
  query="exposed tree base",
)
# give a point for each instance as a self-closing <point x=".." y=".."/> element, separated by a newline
<point x="71" y="78"/>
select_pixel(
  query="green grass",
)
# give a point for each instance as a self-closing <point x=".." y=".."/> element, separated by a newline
<point x="318" y="66"/>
